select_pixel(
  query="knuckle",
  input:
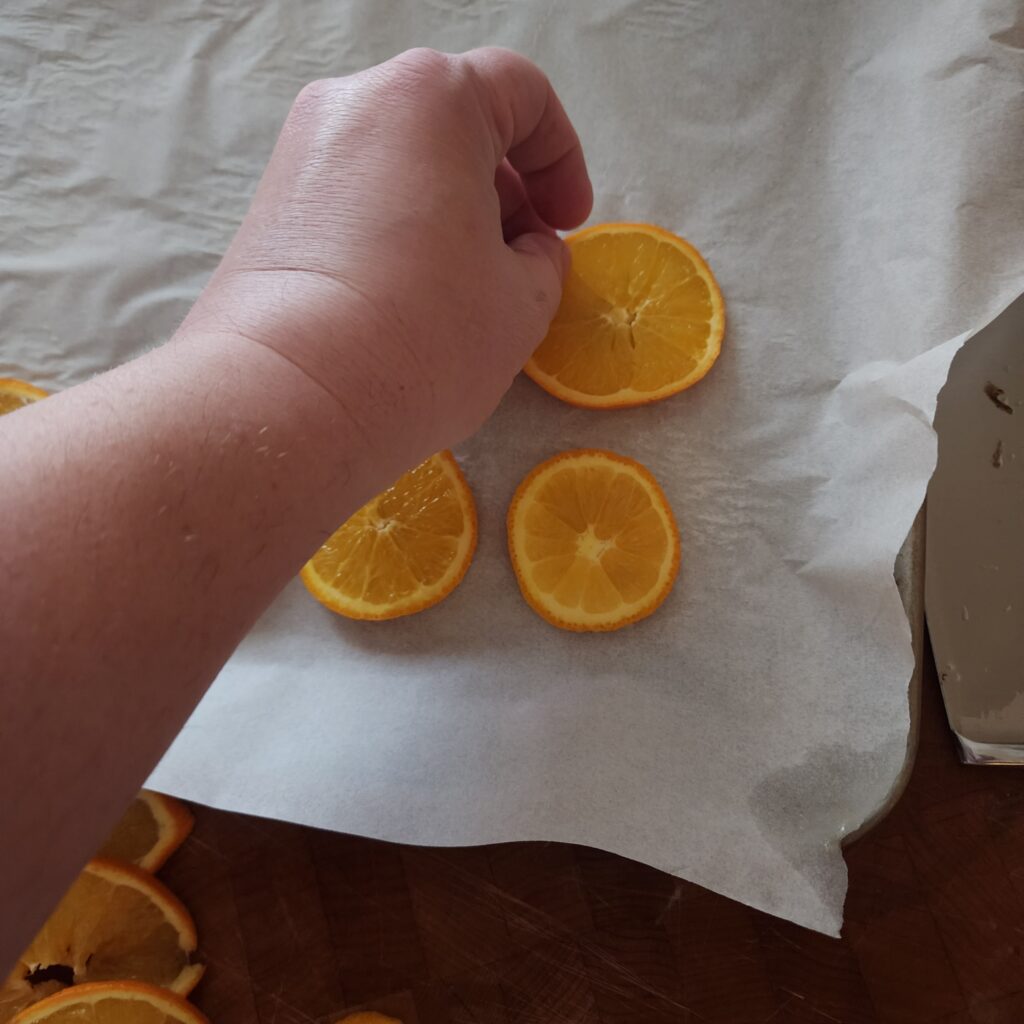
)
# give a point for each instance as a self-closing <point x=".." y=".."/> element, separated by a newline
<point x="499" y="55"/>
<point x="314" y="96"/>
<point x="427" y="77"/>
<point x="503" y="63"/>
<point x="422" y="63"/>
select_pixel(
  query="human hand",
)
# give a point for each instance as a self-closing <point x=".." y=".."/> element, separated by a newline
<point x="400" y="249"/>
<point x="393" y="274"/>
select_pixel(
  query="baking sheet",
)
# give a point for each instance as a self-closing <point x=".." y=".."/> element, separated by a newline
<point x="851" y="172"/>
<point x="975" y="591"/>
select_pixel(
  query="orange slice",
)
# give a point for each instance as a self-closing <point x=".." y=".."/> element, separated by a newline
<point x="116" y="923"/>
<point x="641" y="318"/>
<point x="402" y="552"/>
<point x="15" y="393"/>
<point x="593" y="541"/>
<point x="152" y="828"/>
<point x="112" y="1002"/>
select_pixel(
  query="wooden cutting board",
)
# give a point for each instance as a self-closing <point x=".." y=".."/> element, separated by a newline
<point x="298" y="925"/>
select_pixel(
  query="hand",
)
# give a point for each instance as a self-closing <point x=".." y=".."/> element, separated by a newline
<point x="401" y="249"/>
<point x="396" y="268"/>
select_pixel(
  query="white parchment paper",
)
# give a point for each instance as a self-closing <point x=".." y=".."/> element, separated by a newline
<point x="851" y="170"/>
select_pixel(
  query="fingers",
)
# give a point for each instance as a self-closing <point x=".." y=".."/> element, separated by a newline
<point x="543" y="254"/>
<point x="543" y="262"/>
<point x="518" y="217"/>
<point x="530" y="127"/>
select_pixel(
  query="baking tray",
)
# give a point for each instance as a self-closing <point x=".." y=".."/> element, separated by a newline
<point x="975" y="566"/>
<point x="909" y="574"/>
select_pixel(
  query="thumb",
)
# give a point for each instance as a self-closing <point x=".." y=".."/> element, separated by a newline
<point x="544" y="262"/>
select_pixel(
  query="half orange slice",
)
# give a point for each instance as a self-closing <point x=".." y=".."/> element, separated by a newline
<point x="402" y="552"/>
<point x="16" y="393"/>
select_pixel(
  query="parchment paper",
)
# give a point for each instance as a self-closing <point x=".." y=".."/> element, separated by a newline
<point x="851" y="170"/>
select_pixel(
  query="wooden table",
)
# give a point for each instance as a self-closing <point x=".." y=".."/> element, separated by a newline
<point x="298" y="925"/>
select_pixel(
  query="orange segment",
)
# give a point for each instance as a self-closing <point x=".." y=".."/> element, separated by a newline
<point x="641" y="318"/>
<point x="116" y="922"/>
<point x="16" y="393"/>
<point x="112" y="1002"/>
<point x="152" y="828"/>
<point x="402" y="552"/>
<point x="593" y="541"/>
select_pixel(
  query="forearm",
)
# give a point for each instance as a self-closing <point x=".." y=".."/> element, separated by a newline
<point x="147" y="519"/>
<point x="395" y="270"/>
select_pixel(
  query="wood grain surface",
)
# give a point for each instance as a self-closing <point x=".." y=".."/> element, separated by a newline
<point x="298" y="925"/>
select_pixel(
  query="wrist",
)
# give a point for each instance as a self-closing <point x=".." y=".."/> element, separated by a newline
<point x="340" y="341"/>
<point x="286" y="436"/>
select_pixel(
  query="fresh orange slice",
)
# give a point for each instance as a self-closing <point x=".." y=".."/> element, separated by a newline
<point x="112" y="1002"/>
<point x="152" y="828"/>
<point x="15" y="393"/>
<point x="116" y="923"/>
<point x="593" y="541"/>
<point x="641" y="318"/>
<point x="402" y="552"/>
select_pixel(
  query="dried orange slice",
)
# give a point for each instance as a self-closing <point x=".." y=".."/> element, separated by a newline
<point x="402" y="552"/>
<point x="593" y="541"/>
<point x="112" y="1002"/>
<point x="152" y="828"/>
<point x="641" y="318"/>
<point x="15" y="393"/>
<point x="116" y="923"/>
